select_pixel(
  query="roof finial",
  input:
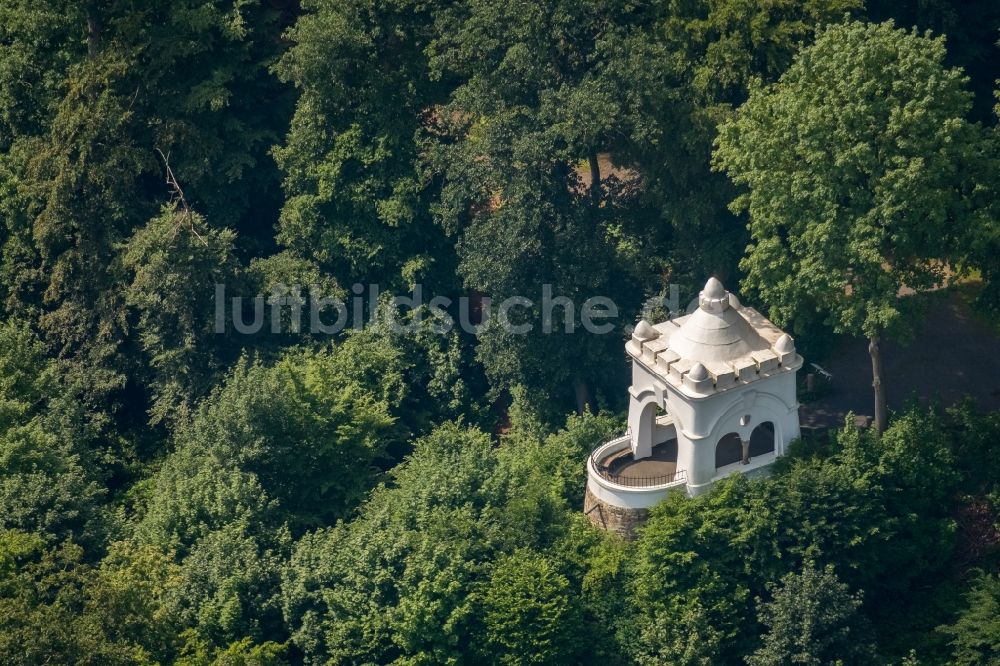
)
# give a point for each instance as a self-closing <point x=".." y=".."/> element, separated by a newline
<point x="714" y="297"/>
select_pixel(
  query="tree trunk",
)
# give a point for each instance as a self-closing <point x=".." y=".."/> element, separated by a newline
<point x="93" y="35"/>
<point x="584" y="401"/>
<point x="878" y="383"/>
<point x="595" y="178"/>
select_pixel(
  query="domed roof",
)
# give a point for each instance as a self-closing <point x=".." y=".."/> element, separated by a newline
<point x="698" y="372"/>
<point x="716" y="331"/>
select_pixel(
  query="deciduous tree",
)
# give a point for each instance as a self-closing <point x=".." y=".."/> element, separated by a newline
<point x="853" y="164"/>
<point x="813" y="619"/>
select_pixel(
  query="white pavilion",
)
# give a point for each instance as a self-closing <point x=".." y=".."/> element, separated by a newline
<point x="713" y="393"/>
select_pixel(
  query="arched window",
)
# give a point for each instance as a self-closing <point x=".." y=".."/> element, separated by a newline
<point x="762" y="439"/>
<point x="729" y="450"/>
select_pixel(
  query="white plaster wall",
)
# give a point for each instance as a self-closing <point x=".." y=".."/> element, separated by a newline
<point x="701" y="422"/>
<point x="767" y="399"/>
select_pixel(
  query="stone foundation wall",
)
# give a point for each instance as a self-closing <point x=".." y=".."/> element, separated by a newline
<point x="612" y="518"/>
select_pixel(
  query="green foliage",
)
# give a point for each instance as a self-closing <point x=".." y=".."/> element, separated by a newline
<point x="971" y="29"/>
<point x="689" y="576"/>
<point x="228" y="584"/>
<point x="194" y="494"/>
<point x="78" y="179"/>
<point x="973" y="434"/>
<point x="176" y="261"/>
<point x="311" y="427"/>
<point x="26" y="377"/>
<point x="170" y="494"/>
<point x="411" y="557"/>
<point x="128" y="601"/>
<point x="876" y="509"/>
<point x="976" y="633"/>
<point x="854" y="165"/>
<point x="356" y="200"/>
<point x="679" y="77"/>
<point x="240" y="653"/>
<point x="528" y="612"/>
<point x="812" y="619"/>
<point x="95" y="89"/>
<point x="418" y="576"/>
<point x="291" y="443"/>
<point x="437" y="379"/>
<point x="219" y="526"/>
<point x="554" y="462"/>
<point x="40" y="595"/>
<point x="46" y="486"/>
<point x="530" y="108"/>
<point x="49" y="483"/>
<point x="55" y="609"/>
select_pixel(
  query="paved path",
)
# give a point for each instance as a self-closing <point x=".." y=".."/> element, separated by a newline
<point x="952" y="356"/>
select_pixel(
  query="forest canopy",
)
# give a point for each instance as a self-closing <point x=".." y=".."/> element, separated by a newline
<point x="197" y="466"/>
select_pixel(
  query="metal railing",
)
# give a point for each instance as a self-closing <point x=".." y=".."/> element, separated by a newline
<point x="631" y="480"/>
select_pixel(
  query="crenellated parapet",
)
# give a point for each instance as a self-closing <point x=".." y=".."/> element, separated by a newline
<point x="713" y="393"/>
<point x="720" y="346"/>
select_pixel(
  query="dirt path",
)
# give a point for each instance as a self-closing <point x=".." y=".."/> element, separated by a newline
<point x="953" y="356"/>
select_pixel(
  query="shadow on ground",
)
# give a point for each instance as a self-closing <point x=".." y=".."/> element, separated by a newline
<point x="952" y="356"/>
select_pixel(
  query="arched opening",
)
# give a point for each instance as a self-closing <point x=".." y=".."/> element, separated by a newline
<point x="762" y="439"/>
<point x="729" y="450"/>
<point x="641" y="421"/>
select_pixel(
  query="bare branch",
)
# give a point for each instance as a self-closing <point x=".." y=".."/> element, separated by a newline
<point x="177" y="197"/>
